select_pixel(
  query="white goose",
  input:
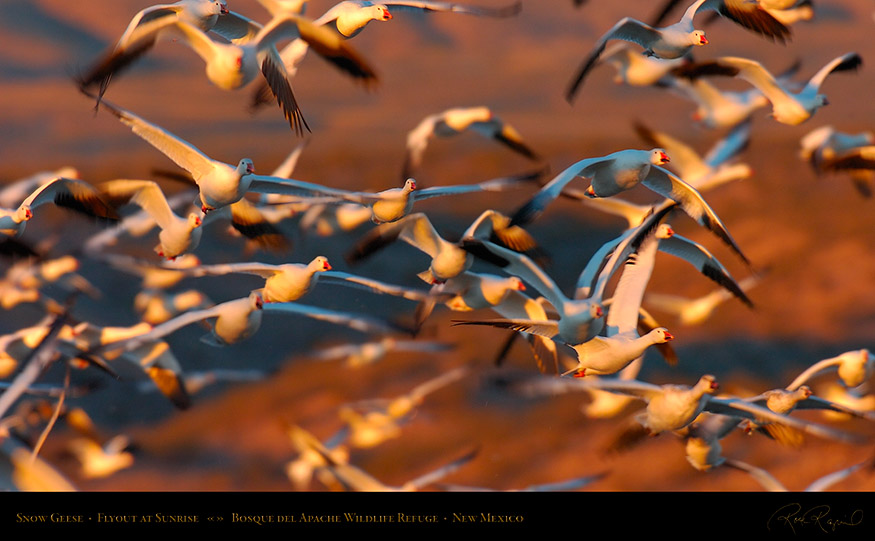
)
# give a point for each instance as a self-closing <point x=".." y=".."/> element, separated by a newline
<point x="291" y="281"/>
<point x="704" y="173"/>
<point x="239" y="319"/>
<point x="178" y="235"/>
<point x="220" y="184"/>
<point x="677" y="40"/>
<point x="64" y="192"/>
<point x="231" y="66"/>
<point x="351" y="16"/>
<point x="580" y="317"/>
<point x="206" y="15"/>
<point x="672" y="407"/>
<point x="691" y="312"/>
<point x="395" y="203"/>
<point x="621" y="171"/>
<point x="788" y="107"/>
<point x="784" y="401"/>
<point x="854" y="368"/>
<point x="623" y="344"/>
<point x="448" y="259"/>
<point x="371" y="422"/>
<point x="454" y="121"/>
<point x="356" y="355"/>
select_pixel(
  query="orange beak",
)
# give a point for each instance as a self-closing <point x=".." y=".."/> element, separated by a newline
<point x="664" y="157"/>
<point x="703" y="41"/>
<point x="668" y="336"/>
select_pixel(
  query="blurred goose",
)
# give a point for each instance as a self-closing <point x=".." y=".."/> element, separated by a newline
<point x="15" y="191"/>
<point x="350" y="17"/>
<point x="826" y="143"/>
<point x="207" y="15"/>
<point x="672" y="407"/>
<point x="788" y="107"/>
<point x="636" y="69"/>
<point x="678" y="39"/>
<point x="239" y="319"/>
<point x="64" y="192"/>
<point x="356" y="355"/>
<point x="854" y="368"/>
<point x="372" y="422"/>
<point x="156" y="307"/>
<point x="692" y="312"/>
<point x="711" y="170"/>
<point x="771" y="484"/>
<point x="860" y="166"/>
<point x="233" y="65"/>
<point x="178" y="235"/>
<point x="455" y="121"/>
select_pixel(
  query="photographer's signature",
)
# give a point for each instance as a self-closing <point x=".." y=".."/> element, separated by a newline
<point x="794" y="516"/>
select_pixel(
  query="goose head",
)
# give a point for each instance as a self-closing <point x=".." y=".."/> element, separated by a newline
<point x="659" y="157"/>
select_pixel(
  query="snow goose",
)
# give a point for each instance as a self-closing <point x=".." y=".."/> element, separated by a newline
<point x="825" y="143"/>
<point x="692" y="312"/>
<point x="155" y="306"/>
<point x="356" y="479"/>
<point x="153" y="277"/>
<point x="788" y="107"/>
<point x="231" y="66"/>
<point x="239" y="319"/>
<point x="621" y="171"/>
<point x="203" y="14"/>
<point x="371" y="422"/>
<point x="448" y="259"/>
<point x="580" y="317"/>
<point x="858" y="161"/>
<point x="16" y="191"/>
<point x="622" y="343"/>
<point x="711" y="170"/>
<point x="454" y="121"/>
<point x="64" y="192"/>
<point x="178" y="235"/>
<point x="291" y="281"/>
<point x="677" y="40"/>
<point x="854" y="368"/>
<point x="394" y="204"/>
<point x="672" y="407"/>
<point x="98" y="461"/>
<point x="356" y="355"/>
<point x="784" y="401"/>
<point x="635" y="69"/>
<point x="220" y="184"/>
<point x="350" y="17"/>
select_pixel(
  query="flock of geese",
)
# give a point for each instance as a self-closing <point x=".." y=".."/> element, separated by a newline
<point x="591" y="340"/>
